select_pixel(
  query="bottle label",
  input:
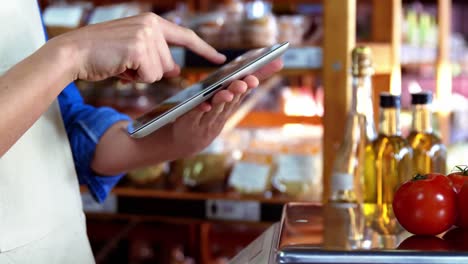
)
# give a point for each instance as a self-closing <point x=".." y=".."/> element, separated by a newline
<point x="342" y="181"/>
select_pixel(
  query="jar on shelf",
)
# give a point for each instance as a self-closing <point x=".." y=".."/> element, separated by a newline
<point x="209" y="27"/>
<point x="154" y="176"/>
<point x="297" y="158"/>
<point x="230" y="34"/>
<point x="259" y="27"/>
<point x="204" y="172"/>
<point x="291" y="29"/>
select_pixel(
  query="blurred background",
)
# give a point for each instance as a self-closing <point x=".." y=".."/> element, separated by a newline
<point x="279" y="146"/>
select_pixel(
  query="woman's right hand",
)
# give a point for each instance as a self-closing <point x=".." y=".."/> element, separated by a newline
<point x="134" y="48"/>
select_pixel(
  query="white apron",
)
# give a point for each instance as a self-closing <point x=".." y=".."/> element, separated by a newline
<point x="41" y="217"/>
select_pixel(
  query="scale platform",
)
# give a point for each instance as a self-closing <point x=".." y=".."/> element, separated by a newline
<point x="312" y="233"/>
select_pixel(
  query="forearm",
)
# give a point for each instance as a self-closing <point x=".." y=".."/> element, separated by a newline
<point x="29" y="87"/>
<point x="117" y="152"/>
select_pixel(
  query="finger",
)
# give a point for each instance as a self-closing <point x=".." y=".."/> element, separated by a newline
<point x="237" y="87"/>
<point x="154" y="61"/>
<point x="148" y="68"/>
<point x="192" y="117"/>
<point x="251" y="81"/>
<point x="229" y="108"/>
<point x="185" y="37"/>
<point x="269" y="69"/>
<point x="223" y="96"/>
<point x="218" y="104"/>
<point x="129" y="75"/>
<point x="165" y="55"/>
<point x="148" y="73"/>
<point x="204" y="107"/>
<point x="174" y="73"/>
<point x="209" y="118"/>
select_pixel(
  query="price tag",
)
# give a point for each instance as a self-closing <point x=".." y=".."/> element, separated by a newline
<point x="63" y="16"/>
<point x="90" y="205"/>
<point x="249" y="177"/>
<point x="307" y="58"/>
<point x="233" y="210"/>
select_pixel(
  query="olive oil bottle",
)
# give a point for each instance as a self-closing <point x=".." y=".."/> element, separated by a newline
<point x="392" y="165"/>
<point x="348" y="169"/>
<point x="429" y="154"/>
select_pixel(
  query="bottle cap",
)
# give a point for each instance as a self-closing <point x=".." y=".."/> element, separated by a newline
<point x="361" y="57"/>
<point x="389" y="100"/>
<point x="421" y="98"/>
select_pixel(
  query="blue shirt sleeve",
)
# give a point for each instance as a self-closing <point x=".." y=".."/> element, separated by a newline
<point x="85" y="125"/>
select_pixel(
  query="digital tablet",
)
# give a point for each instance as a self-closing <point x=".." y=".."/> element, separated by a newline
<point x="184" y="101"/>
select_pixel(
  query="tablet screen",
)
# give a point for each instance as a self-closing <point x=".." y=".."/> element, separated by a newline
<point x="215" y="77"/>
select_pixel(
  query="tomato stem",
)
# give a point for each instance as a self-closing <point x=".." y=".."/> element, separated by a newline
<point x="419" y="177"/>
<point x="463" y="169"/>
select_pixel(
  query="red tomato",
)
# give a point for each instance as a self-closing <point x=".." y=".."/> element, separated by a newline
<point x="462" y="206"/>
<point x="457" y="239"/>
<point x="418" y="242"/>
<point x="458" y="177"/>
<point x="426" y="204"/>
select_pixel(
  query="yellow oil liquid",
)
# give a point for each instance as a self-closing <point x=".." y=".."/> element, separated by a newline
<point x="392" y="166"/>
<point x="369" y="184"/>
<point x="429" y="154"/>
<point x="388" y="164"/>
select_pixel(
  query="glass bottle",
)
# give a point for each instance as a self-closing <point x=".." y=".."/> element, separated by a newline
<point x="392" y="165"/>
<point x="349" y="166"/>
<point x="344" y="209"/>
<point x="429" y="154"/>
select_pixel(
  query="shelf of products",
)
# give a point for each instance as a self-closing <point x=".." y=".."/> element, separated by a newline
<point x="323" y="51"/>
<point x="258" y="25"/>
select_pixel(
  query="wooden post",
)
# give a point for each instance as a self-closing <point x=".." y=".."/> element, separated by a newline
<point x="339" y="40"/>
<point x="444" y="73"/>
<point x="386" y="28"/>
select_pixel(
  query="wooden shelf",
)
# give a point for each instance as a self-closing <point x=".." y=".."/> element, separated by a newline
<point x="134" y="192"/>
<point x="185" y="195"/>
<point x="269" y="119"/>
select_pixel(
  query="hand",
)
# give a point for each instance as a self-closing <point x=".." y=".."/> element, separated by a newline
<point x="134" y="48"/>
<point x="188" y="135"/>
<point x="195" y="130"/>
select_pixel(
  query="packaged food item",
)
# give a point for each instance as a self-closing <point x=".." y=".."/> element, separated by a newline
<point x="115" y="11"/>
<point x="251" y="175"/>
<point x="204" y="172"/>
<point x="297" y="159"/>
<point x="151" y="176"/>
<point x="63" y="17"/>
<point x="299" y="164"/>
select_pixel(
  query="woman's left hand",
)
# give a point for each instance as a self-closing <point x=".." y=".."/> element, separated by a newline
<point x="195" y="130"/>
<point x="188" y="135"/>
